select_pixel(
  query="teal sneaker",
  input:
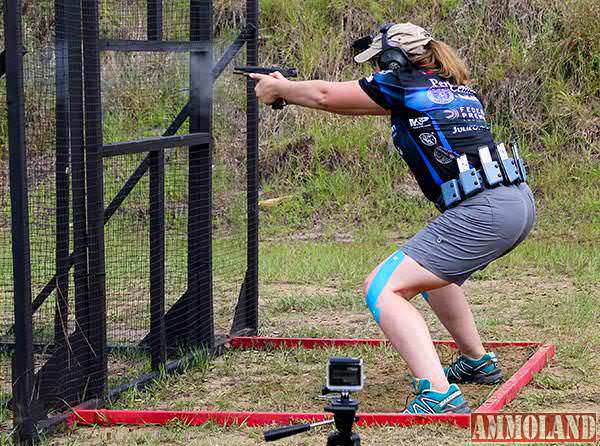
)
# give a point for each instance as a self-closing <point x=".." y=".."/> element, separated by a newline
<point x="484" y="370"/>
<point x="428" y="401"/>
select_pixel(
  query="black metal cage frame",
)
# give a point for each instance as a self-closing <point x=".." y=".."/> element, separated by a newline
<point x="81" y="353"/>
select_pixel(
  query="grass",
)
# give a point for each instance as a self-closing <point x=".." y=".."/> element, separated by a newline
<point x="291" y="380"/>
<point x="5" y="417"/>
<point x="529" y="295"/>
<point x="578" y="258"/>
<point x="211" y="434"/>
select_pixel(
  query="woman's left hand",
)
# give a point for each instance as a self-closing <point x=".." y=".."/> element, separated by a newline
<point x="269" y="88"/>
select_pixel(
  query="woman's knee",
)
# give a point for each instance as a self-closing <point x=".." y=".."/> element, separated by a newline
<point x="403" y="289"/>
<point x="391" y="280"/>
<point x="400" y="287"/>
<point x="373" y="291"/>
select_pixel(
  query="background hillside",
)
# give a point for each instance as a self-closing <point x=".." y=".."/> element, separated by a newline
<point x="535" y="63"/>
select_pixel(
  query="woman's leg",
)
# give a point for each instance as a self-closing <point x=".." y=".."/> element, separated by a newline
<point x="402" y="323"/>
<point x="453" y="311"/>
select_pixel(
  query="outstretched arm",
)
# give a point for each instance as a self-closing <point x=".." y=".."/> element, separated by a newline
<point x="346" y="98"/>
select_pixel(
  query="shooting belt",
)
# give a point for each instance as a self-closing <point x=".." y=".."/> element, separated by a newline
<point x="506" y="171"/>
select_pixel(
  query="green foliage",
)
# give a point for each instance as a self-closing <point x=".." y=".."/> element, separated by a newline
<point x="5" y="419"/>
<point x="536" y="65"/>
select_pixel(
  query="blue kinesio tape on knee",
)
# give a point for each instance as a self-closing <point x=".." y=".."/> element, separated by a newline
<point x="425" y="295"/>
<point x="380" y="281"/>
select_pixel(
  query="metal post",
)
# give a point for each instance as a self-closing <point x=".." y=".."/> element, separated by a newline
<point x="77" y="355"/>
<point x="23" y="366"/>
<point x="63" y="261"/>
<point x="157" y="336"/>
<point x="200" y="303"/>
<point x="96" y="327"/>
<point x="155" y="20"/>
<point x="251" y="285"/>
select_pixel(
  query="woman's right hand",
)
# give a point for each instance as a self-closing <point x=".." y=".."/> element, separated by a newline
<point x="269" y="87"/>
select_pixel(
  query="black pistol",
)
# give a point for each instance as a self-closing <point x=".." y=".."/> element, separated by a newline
<point x="285" y="71"/>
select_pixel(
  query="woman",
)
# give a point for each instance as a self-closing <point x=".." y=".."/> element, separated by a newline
<point x="435" y="120"/>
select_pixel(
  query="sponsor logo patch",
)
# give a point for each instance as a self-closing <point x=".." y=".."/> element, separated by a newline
<point x="442" y="156"/>
<point x="471" y="113"/>
<point x="458" y="89"/>
<point x="451" y="113"/>
<point x="467" y="128"/>
<point x="418" y="123"/>
<point x="440" y="95"/>
<point x="428" y="139"/>
<point x="465" y="112"/>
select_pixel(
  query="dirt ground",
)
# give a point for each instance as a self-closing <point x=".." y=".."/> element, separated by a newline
<point x="291" y="380"/>
<point x="288" y="380"/>
<point x="175" y="435"/>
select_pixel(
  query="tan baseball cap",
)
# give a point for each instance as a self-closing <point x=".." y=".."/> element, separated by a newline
<point x="411" y="38"/>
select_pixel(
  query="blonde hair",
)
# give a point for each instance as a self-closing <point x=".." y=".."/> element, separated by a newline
<point x="444" y="61"/>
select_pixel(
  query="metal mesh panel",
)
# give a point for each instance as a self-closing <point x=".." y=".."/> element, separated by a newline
<point x="139" y="251"/>
<point x="127" y="255"/>
<point x="142" y="93"/>
<point x="176" y="222"/>
<point x="129" y="20"/>
<point x="6" y="281"/>
<point x="40" y="140"/>
<point x="39" y="107"/>
<point x="229" y="195"/>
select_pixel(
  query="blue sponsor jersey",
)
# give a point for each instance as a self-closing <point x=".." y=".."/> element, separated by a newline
<point x="433" y="122"/>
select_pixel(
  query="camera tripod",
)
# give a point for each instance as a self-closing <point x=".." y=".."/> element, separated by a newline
<point x="344" y="415"/>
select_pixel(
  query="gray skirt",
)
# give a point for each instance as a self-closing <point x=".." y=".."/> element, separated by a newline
<point x="468" y="237"/>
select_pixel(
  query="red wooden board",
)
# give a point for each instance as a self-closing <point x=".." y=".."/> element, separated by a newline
<point x="506" y="393"/>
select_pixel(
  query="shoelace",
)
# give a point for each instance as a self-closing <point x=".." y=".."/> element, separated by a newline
<point x="408" y="397"/>
<point x="406" y="403"/>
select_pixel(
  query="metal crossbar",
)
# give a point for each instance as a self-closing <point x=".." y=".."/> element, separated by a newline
<point x="154" y="143"/>
<point x="151" y="46"/>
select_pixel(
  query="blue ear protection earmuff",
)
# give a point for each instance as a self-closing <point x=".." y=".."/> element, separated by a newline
<point x="391" y="57"/>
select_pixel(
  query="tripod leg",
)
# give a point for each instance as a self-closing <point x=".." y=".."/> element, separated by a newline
<point x="334" y="439"/>
<point x="338" y="439"/>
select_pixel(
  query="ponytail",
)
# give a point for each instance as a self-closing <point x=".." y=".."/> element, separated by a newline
<point x="442" y="59"/>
